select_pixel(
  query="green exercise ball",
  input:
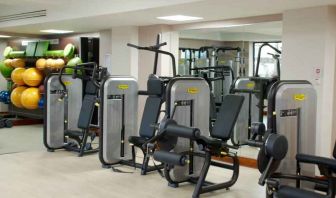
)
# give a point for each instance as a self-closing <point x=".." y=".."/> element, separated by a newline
<point x="5" y="70"/>
<point x="72" y="63"/>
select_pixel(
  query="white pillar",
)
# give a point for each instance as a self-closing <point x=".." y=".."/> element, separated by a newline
<point x="124" y="58"/>
<point x="309" y="44"/>
<point x="105" y="49"/>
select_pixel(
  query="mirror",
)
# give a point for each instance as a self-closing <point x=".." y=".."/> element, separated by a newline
<point x="227" y="57"/>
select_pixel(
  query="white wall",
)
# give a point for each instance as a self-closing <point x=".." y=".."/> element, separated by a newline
<point x="124" y="59"/>
<point x="114" y="52"/>
<point x="309" y="41"/>
<point x="105" y="49"/>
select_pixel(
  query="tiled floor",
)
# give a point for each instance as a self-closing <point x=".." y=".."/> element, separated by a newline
<point x="37" y="173"/>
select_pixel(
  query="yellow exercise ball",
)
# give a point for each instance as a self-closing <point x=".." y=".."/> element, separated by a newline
<point x="18" y="62"/>
<point x="49" y="63"/>
<point x="41" y="64"/>
<point x="16" y="96"/>
<point x="59" y="63"/>
<point x="16" y="76"/>
<point x="30" y="98"/>
<point x="32" y="77"/>
<point x="8" y="62"/>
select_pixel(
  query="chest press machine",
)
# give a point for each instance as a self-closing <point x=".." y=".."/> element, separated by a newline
<point x="69" y="108"/>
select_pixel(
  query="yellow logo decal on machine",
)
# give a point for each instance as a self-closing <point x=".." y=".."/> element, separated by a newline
<point x="299" y="97"/>
<point x="67" y="83"/>
<point x="123" y="86"/>
<point x="250" y="85"/>
<point x="193" y="90"/>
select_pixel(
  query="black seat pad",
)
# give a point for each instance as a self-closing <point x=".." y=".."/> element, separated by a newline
<point x="291" y="192"/>
<point x="73" y="133"/>
<point x="209" y="142"/>
<point x="137" y="140"/>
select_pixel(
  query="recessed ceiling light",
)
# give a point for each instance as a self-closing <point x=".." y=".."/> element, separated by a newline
<point x="4" y="36"/>
<point x="179" y="18"/>
<point x="56" y="31"/>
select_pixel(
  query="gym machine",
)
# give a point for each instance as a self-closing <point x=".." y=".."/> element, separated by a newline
<point x="255" y="90"/>
<point x="192" y="164"/>
<point x="291" y="113"/>
<point x="185" y="98"/>
<point x="70" y="103"/>
<point x="274" y="151"/>
<point x="194" y="58"/>
<point x="119" y="115"/>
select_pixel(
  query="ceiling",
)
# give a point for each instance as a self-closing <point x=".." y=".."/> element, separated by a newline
<point x="95" y="15"/>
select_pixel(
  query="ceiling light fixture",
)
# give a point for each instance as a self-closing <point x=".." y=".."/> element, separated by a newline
<point x="4" y="36"/>
<point x="53" y="31"/>
<point x="179" y="18"/>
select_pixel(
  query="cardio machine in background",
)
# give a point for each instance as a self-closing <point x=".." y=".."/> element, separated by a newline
<point x="69" y="108"/>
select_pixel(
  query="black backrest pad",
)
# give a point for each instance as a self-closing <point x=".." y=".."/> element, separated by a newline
<point x="227" y="116"/>
<point x="150" y="116"/>
<point x="86" y="112"/>
<point x="90" y="88"/>
<point x="154" y="85"/>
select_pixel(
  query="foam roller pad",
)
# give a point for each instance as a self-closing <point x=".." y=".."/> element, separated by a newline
<point x="183" y="131"/>
<point x="170" y="158"/>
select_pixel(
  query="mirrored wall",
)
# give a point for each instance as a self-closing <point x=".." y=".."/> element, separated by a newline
<point x="225" y="57"/>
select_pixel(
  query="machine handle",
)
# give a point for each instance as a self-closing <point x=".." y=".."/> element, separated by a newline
<point x="255" y="143"/>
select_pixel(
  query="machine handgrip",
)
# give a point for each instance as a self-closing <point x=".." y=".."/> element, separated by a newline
<point x="183" y="131"/>
<point x="255" y="143"/>
<point x="170" y="158"/>
<point x="132" y="45"/>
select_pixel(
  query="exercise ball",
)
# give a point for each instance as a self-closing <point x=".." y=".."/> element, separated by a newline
<point x="6" y="97"/>
<point x="16" y="96"/>
<point x="32" y="77"/>
<point x="72" y="63"/>
<point x="8" y="62"/>
<point x="41" y="64"/>
<point x="18" y="62"/>
<point x="41" y="89"/>
<point x="2" y="96"/>
<point x="49" y="63"/>
<point x="41" y="103"/>
<point x="5" y="70"/>
<point x="30" y="98"/>
<point x="17" y="76"/>
<point x="59" y="63"/>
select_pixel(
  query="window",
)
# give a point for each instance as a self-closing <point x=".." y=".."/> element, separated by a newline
<point x="268" y="64"/>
